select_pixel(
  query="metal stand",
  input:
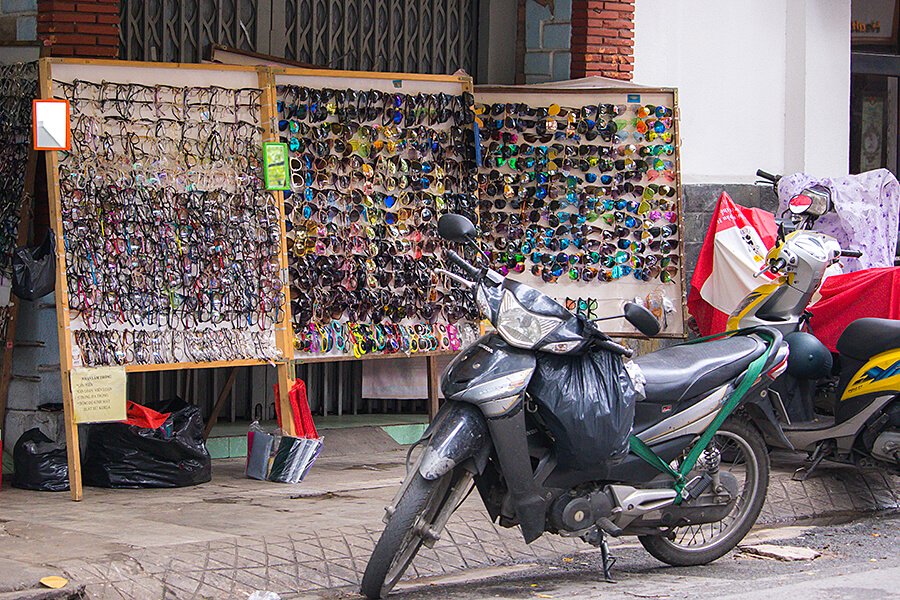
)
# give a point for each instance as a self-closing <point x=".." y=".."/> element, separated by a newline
<point x="597" y="538"/>
<point x="817" y="457"/>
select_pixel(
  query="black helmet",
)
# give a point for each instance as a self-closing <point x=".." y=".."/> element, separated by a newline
<point x="809" y="358"/>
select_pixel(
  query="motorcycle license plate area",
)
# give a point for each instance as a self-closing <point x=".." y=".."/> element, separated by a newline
<point x="580" y="197"/>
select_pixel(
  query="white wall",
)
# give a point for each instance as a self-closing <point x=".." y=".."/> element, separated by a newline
<point x="762" y="83"/>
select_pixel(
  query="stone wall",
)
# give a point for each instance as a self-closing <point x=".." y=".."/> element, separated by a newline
<point x="18" y="21"/>
<point x="548" y="30"/>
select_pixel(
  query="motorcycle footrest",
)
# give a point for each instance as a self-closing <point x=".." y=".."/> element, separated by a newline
<point x="694" y="488"/>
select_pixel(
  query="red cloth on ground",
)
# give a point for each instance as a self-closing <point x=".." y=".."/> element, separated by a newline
<point x="851" y="296"/>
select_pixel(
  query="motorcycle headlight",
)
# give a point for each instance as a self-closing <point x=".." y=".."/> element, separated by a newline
<point x="521" y="328"/>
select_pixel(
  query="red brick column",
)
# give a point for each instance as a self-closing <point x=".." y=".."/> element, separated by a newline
<point x="75" y="28"/>
<point x="602" y="38"/>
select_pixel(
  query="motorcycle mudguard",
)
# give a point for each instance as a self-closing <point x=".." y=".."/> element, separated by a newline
<point x="763" y="416"/>
<point x="459" y="432"/>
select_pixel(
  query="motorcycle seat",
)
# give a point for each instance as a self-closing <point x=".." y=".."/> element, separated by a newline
<point x="688" y="371"/>
<point x="864" y="338"/>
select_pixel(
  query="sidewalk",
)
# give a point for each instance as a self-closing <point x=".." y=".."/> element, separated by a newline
<point x="234" y="536"/>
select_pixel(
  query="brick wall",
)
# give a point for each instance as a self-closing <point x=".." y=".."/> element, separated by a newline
<point x="548" y="30"/>
<point x="75" y="28"/>
<point x="18" y="21"/>
<point x="602" y="38"/>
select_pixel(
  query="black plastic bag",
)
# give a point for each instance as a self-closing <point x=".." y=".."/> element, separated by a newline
<point x="587" y="402"/>
<point x="34" y="269"/>
<point x="41" y="464"/>
<point x="174" y="455"/>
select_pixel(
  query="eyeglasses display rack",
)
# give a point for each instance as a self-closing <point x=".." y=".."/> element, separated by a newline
<point x="173" y="254"/>
<point x="170" y="251"/>
<point x="580" y="196"/>
<point x="375" y="159"/>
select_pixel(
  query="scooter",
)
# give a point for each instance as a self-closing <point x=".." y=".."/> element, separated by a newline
<point x="846" y="407"/>
<point x="690" y="488"/>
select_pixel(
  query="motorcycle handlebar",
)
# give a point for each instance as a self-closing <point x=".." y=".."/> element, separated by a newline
<point x="614" y="347"/>
<point x="778" y="265"/>
<point x="470" y="270"/>
<point x="768" y="176"/>
<point x="851" y="253"/>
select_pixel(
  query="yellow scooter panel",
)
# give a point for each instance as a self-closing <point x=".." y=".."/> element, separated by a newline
<point x="751" y="303"/>
<point x="880" y="374"/>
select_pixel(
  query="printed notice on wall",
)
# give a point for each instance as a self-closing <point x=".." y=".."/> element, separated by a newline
<point x="98" y="394"/>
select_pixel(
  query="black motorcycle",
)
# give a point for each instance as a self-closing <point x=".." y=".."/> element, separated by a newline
<point x="544" y="417"/>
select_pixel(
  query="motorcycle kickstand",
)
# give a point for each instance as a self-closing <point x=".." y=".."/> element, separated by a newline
<point x="597" y="538"/>
<point x="817" y="457"/>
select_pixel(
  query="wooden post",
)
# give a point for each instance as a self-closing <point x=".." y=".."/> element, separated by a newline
<point x="62" y="298"/>
<point x="25" y="215"/>
<point x="433" y="386"/>
<point x="284" y="333"/>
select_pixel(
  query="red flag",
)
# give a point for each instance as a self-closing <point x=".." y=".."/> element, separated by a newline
<point x="735" y="248"/>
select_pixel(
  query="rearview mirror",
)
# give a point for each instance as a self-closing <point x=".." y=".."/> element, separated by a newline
<point x="642" y="319"/>
<point x="456" y="228"/>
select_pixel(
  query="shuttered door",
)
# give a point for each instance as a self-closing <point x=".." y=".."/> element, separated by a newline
<point x="418" y="36"/>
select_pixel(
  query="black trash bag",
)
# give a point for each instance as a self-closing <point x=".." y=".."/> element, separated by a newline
<point x="41" y="464"/>
<point x="34" y="269"/>
<point x="125" y="456"/>
<point x="587" y="402"/>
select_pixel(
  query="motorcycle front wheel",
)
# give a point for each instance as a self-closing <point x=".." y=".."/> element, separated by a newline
<point x="422" y="504"/>
<point x="744" y="455"/>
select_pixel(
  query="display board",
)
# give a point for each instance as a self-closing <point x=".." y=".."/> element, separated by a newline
<point x="580" y="197"/>
<point x="170" y="252"/>
<point x="172" y="243"/>
<point x="375" y="159"/>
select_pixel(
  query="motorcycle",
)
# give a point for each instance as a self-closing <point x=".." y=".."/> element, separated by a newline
<point x="694" y="471"/>
<point x="844" y="408"/>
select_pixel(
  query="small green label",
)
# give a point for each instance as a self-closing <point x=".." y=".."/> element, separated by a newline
<point x="277" y="167"/>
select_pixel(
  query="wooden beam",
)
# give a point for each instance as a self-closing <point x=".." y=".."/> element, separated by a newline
<point x="220" y="402"/>
<point x="73" y="450"/>
<point x="284" y="333"/>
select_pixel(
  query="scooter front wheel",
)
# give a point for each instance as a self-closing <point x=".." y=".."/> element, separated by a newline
<point x="422" y="504"/>
<point x="743" y="455"/>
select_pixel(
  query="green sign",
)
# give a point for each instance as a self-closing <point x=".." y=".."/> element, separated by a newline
<point x="277" y="167"/>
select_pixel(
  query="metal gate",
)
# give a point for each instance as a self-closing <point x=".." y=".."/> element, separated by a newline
<point x="418" y="36"/>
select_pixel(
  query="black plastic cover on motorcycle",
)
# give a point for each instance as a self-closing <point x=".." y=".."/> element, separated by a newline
<point x="587" y="403"/>
<point x="41" y="464"/>
<point x="173" y="455"/>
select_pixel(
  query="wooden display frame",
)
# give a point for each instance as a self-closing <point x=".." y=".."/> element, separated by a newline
<point x="261" y="79"/>
<point x="544" y="95"/>
<point x="385" y="81"/>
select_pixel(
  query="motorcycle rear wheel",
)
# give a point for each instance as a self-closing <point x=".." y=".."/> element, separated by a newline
<point x="421" y="505"/>
<point x="747" y="455"/>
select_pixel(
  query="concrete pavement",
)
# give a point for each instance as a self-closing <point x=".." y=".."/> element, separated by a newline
<point x="234" y="536"/>
<point x="859" y="560"/>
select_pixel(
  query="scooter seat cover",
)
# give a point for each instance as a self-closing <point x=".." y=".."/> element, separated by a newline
<point x="687" y="371"/>
<point x="864" y="338"/>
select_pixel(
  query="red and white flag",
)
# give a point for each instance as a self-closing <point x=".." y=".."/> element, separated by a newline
<point x="735" y="248"/>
